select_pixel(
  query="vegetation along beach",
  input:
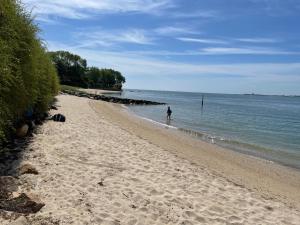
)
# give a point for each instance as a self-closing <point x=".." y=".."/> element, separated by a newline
<point x="149" y="112"/>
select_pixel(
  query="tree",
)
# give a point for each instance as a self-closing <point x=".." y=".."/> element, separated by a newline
<point x="104" y="78"/>
<point x="71" y="68"/>
<point x="94" y="77"/>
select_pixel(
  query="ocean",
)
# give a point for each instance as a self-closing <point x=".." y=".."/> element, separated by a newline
<point x="263" y="126"/>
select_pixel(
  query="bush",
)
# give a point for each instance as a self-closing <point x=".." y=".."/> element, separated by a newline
<point x="28" y="80"/>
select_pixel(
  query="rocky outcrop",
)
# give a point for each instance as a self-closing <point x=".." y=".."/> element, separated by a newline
<point x="112" y="99"/>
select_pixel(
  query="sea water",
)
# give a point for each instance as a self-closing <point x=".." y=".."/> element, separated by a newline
<point x="262" y="126"/>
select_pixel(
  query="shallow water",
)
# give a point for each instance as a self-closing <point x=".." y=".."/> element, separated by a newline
<point x="264" y="126"/>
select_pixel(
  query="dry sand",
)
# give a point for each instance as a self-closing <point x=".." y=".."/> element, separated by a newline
<point x="94" y="171"/>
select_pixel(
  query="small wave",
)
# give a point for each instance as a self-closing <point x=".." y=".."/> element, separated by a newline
<point x="252" y="150"/>
<point x="124" y="106"/>
<point x="192" y="132"/>
<point x="159" y="123"/>
<point x="257" y="151"/>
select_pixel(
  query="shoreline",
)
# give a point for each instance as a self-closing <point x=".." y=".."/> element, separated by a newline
<point x="105" y="166"/>
<point x="226" y="145"/>
<point x="280" y="181"/>
<point x="189" y="134"/>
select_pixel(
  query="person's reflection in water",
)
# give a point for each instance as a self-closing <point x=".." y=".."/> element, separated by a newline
<point x="168" y="122"/>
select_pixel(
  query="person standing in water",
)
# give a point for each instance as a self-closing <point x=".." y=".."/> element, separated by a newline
<point x="169" y="112"/>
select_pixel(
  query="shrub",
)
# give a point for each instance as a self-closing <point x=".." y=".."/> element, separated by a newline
<point x="28" y="80"/>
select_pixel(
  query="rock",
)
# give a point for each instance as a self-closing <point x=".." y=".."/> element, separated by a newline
<point x="27" y="169"/>
<point x="22" y="131"/>
<point x="24" y="203"/>
<point x="20" y="221"/>
<point x="59" y="118"/>
<point x="8" y="185"/>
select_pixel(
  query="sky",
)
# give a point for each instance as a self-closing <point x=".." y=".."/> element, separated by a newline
<point x="215" y="46"/>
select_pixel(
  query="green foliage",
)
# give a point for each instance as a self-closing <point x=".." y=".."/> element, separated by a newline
<point x="70" y="67"/>
<point x="73" y="70"/>
<point x="28" y="79"/>
<point x="68" y="88"/>
<point x="104" y="78"/>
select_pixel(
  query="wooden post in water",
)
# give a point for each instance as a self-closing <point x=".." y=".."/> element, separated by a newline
<point x="202" y="103"/>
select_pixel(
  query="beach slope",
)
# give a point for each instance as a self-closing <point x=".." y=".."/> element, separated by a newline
<point x="96" y="171"/>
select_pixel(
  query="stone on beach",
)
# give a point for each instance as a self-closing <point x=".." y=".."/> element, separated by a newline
<point x="27" y="169"/>
<point x="22" y="131"/>
<point x="8" y="184"/>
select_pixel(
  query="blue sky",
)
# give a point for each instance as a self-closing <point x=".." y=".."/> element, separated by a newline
<point x="220" y="46"/>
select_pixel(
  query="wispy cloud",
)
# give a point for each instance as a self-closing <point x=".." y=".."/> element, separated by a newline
<point x="246" y="51"/>
<point x="258" y="40"/>
<point x="109" y="38"/>
<point x="79" y="9"/>
<point x="277" y="7"/>
<point x="95" y="36"/>
<point x="196" y="14"/>
<point x="175" y="30"/>
<point x="215" y="51"/>
<point x="139" y="37"/>
<point x="202" y="40"/>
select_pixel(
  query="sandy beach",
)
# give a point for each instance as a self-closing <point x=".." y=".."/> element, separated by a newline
<point x="105" y="166"/>
<point x="99" y="91"/>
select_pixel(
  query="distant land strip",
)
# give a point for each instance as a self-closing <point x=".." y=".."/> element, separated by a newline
<point x="112" y="99"/>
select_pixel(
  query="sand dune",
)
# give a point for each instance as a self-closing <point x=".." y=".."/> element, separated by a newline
<point x="94" y="172"/>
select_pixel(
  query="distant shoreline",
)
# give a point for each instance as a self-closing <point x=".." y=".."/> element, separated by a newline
<point x="199" y="92"/>
<point x="99" y="91"/>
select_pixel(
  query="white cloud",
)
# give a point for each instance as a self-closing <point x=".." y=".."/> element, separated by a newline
<point x="175" y="30"/>
<point x="79" y="9"/>
<point x="201" y="40"/>
<point x="95" y="36"/>
<point x="258" y="40"/>
<point x="112" y="37"/>
<point x="245" y="51"/>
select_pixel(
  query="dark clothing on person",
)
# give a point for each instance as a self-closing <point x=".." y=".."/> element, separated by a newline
<point x="169" y="112"/>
